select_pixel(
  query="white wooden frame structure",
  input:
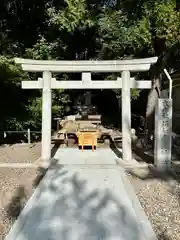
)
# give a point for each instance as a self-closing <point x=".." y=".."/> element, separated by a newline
<point x="46" y="83"/>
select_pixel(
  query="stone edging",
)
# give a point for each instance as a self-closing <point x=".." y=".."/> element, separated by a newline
<point x="145" y="225"/>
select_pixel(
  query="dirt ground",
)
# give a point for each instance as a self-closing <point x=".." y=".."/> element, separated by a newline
<point x="16" y="185"/>
<point x="159" y="195"/>
<point x="20" y="153"/>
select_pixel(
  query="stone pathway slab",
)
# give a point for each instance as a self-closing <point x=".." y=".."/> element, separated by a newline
<point x="76" y="156"/>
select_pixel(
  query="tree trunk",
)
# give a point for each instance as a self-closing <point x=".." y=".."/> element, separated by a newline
<point x="153" y="96"/>
<point x="155" y="92"/>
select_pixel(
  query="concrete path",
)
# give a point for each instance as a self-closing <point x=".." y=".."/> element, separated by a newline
<point x="74" y="156"/>
<point x="85" y="196"/>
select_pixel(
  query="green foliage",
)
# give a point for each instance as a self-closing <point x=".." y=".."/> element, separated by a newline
<point x="42" y="50"/>
<point x="74" y="16"/>
<point x="135" y="93"/>
<point x="77" y="30"/>
<point x="12" y="97"/>
<point x="9" y="72"/>
<point x="164" y="20"/>
<point x="121" y="37"/>
<point x="61" y="101"/>
<point x="34" y="109"/>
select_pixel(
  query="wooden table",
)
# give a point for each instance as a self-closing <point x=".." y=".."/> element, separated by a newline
<point x="87" y="138"/>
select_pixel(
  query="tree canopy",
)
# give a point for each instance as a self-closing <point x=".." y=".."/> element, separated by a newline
<point x="78" y="30"/>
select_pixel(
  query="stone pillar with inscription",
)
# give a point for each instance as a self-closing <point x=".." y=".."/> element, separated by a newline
<point x="163" y="134"/>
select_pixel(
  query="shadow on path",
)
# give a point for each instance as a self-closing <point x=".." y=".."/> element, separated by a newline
<point x="57" y="144"/>
<point x="16" y="204"/>
<point x="142" y="156"/>
<point x="41" y="173"/>
<point x="113" y="146"/>
<point x="66" y="208"/>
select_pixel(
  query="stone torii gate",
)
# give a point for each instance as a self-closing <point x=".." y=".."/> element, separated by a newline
<point x="46" y="83"/>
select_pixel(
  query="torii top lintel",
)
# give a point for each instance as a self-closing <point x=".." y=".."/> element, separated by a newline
<point x="134" y="65"/>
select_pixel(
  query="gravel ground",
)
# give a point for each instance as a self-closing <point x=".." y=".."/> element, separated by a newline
<point x="161" y="202"/>
<point x="20" y="153"/>
<point x="16" y="185"/>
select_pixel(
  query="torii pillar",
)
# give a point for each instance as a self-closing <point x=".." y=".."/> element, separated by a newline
<point x="126" y="115"/>
<point x="46" y="116"/>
